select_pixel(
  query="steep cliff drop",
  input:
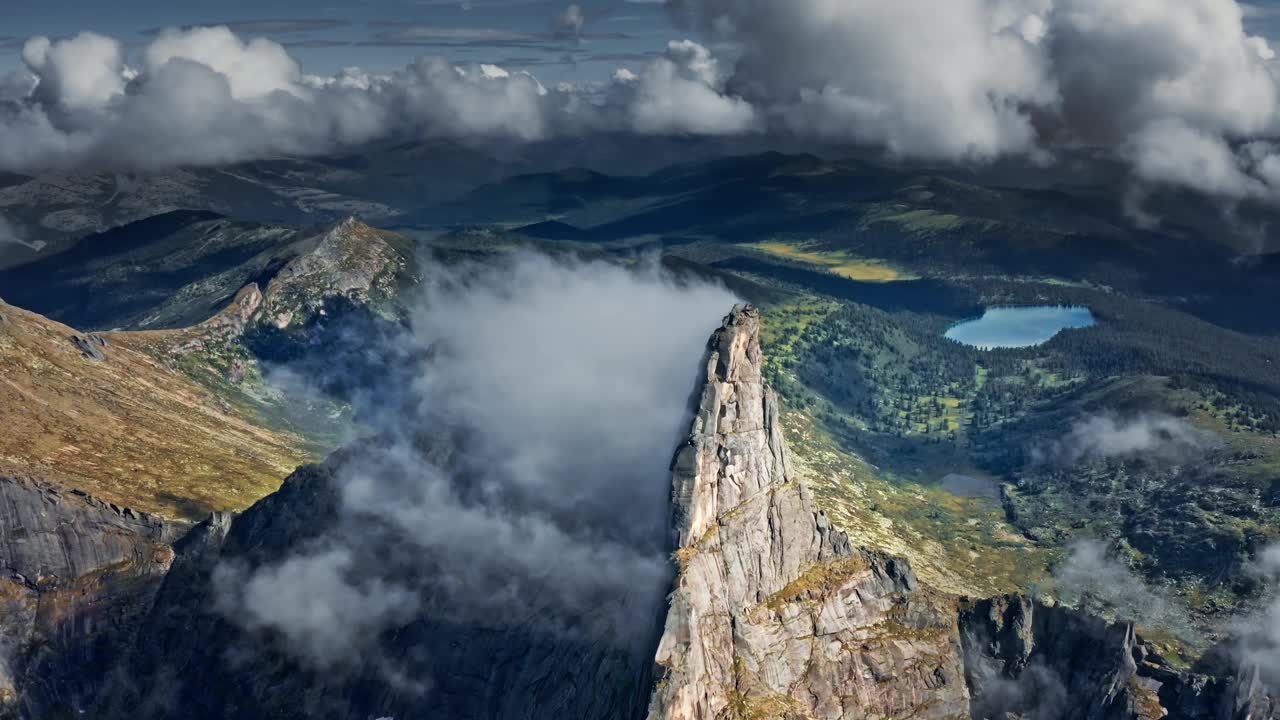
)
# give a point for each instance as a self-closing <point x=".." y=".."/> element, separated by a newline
<point x="775" y="614"/>
<point x="77" y="578"/>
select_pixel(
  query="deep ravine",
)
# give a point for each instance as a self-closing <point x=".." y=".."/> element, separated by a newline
<point x="774" y="613"/>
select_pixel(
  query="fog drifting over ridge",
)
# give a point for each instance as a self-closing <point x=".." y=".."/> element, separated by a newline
<point x="523" y="481"/>
<point x="1178" y="89"/>
<point x="1107" y="436"/>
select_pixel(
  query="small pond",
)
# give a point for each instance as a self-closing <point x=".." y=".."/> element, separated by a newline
<point x="1018" y="327"/>
<point x="971" y="487"/>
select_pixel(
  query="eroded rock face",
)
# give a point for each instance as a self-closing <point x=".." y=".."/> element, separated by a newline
<point x="1031" y="660"/>
<point x="1027" y="660"/>
<point x="350" y="260"/>
<point x="77" y="576"/>
<point x="775" y="613"/>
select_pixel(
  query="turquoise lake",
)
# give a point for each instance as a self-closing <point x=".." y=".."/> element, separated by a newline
<point x="1017" y="327"/>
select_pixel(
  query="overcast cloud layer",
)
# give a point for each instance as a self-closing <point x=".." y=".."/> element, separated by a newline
<point x="1177" y="88"/>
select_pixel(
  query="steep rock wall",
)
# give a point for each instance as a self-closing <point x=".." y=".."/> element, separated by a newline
<point x="77" y="577"/>
<point x="774" y="612"/>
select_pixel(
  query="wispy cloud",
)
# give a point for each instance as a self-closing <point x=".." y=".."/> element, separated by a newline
<point x="11" y="233"/>
<point x="1154" y="436"/>
<point x="402" y="34"/>
<point x="1090" y="578"/>
<point x="281" y="26"/>
<point x="443" y="36"/>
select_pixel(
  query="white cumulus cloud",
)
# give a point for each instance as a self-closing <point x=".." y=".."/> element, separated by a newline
<point x="1178" y="89"/>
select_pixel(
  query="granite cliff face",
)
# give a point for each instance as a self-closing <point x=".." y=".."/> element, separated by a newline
<point x="775" y="613"/>
<point x="77" y="577"/>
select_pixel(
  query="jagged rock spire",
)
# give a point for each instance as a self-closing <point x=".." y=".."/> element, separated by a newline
<point x="774" y="613"/>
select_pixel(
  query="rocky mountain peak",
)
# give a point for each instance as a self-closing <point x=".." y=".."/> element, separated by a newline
<point x="777" y="614"/>
<point x="774" y="612"/>
<point x="350" y="259"/>
<point x="733" y="404"/>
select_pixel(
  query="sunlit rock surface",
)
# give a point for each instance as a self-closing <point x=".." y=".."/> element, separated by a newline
<point x="775" y="613"/>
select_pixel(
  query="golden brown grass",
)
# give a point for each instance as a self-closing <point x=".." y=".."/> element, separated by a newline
<point x="818" y="581"/>
<point x="129" y="430"/>
<point x="838" y="263"/>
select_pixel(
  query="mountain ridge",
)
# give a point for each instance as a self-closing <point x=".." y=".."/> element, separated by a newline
<point x="774" y="613"/>
<point x="777" y="614"/>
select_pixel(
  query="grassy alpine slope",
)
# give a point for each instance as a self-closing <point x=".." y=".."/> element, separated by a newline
<point x="128" y="428"/>
<point x="181" y="420"/>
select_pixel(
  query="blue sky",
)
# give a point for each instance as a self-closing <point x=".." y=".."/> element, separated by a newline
<point x="377" y="34"/>
<point x="385" y="34"/>
<point x="1263" y="18"/>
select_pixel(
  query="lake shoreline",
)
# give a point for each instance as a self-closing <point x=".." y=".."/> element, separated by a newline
<point x="1005" y="327"/>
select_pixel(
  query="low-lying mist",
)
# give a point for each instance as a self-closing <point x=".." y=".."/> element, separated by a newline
<point x="1107" y="436"/>
<point x="516" y="465"/>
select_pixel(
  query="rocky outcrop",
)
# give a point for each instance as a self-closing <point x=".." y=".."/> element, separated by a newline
<point x="77" y="575"/>
<point x="1028" y="660"/>
<point x="232" y="320"/>
<point x="90" y="346"/>
<point x="348" y="267"/>
<point x="351" y="260"/>
<point x="775" y="613"/>
<point x="1025" y="658"/>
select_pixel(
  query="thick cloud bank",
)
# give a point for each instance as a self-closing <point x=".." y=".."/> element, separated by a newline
<point x="203" y="96"/>
<point x="1176" y="88"/>
<point x="523" y="478"/>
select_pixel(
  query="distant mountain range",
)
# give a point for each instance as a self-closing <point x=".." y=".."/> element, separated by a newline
<point x="380" y="184"/>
